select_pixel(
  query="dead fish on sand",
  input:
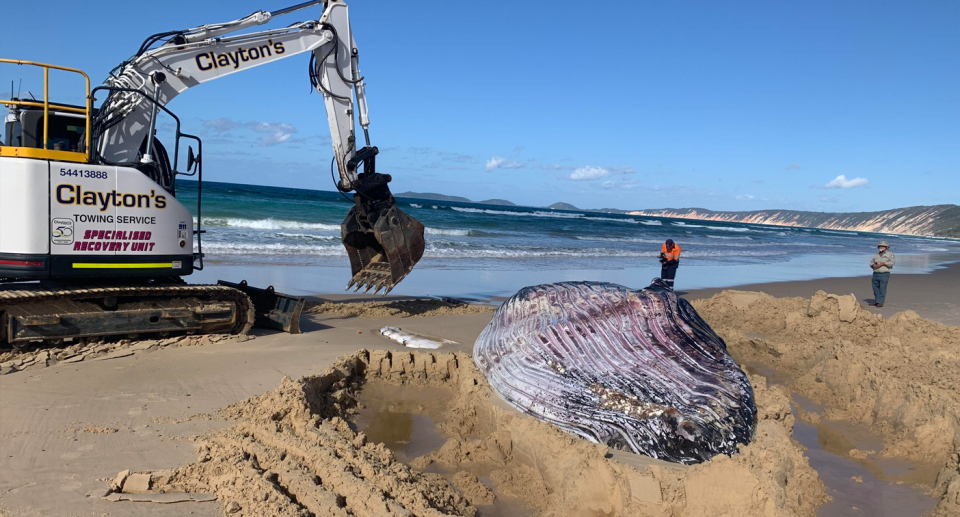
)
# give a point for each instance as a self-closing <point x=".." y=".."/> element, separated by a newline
<point x="409" y="339"/>
<point x="635" y="370"/>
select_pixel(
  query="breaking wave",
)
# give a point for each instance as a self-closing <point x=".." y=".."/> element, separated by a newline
<point x="556" y="215"/>
<point x="726" y="237"/>
<point x="838" y="232"/>
<point x="620" y="239"/>
<point x="277" y="248"/>
<point x="612" y="220"/>
<point x="721" y="228"/>
<point x="447" y="231"/>
<point x="267" y="224"/>
<point x="308" y="236"/>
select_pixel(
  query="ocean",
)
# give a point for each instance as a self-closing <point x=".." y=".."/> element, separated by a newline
<point x="290" y="238"/>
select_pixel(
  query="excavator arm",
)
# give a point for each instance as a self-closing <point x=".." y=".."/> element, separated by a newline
<point x="383" y="243"/>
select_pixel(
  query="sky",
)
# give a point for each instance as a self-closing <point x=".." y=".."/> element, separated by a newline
<point x="805" y="105"/>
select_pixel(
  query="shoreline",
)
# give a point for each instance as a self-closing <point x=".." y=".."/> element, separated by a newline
<point x="932" y="295"/>
<point x="500" y="281"/>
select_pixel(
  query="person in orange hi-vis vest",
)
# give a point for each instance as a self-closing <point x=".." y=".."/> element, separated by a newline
<point x="670" y="261"/>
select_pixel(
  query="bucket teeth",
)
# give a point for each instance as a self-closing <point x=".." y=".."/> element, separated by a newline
<point x="375" y="281"/>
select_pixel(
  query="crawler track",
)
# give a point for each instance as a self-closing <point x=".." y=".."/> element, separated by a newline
<point x="31" y="313"/>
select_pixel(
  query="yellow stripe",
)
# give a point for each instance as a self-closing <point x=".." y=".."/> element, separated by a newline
<point x="58" y="107"/>
<point x="43" y="154"/>
<point x="146" y="265"/>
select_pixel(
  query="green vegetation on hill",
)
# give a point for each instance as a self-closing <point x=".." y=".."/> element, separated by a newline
<point x="501" y="202"/>
<point x="947" y="223"/>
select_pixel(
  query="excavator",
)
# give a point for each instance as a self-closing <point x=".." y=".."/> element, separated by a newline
<point x="93" y="240"/>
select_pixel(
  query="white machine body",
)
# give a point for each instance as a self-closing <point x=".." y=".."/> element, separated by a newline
<point x="66" y="211"/>
<point x="92" y="217"/>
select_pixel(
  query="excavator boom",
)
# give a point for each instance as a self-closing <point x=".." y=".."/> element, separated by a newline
<point x="382" y="242"/>
<point x="93" y="240"/>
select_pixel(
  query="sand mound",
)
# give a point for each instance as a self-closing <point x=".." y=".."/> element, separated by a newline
<point x="415" y="308"/>
<point x="292" y="452"/>
<point x="899" y="375"/>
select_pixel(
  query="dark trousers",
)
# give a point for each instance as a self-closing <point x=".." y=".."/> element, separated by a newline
<point x="668" y="273"/>
<point x="880" y="281"/>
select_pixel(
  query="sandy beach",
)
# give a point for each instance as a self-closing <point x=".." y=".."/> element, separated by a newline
<point x="858" y="408"/>
<point x="651" y="301"/>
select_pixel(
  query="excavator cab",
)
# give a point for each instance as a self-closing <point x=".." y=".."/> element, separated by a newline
<point x="382" y="241"/>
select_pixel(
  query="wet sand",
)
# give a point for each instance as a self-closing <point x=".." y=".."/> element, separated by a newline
<point x="69" y="428"/>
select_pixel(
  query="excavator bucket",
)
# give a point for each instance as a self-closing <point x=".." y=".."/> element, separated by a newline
<point x="383" y="244"/>
<point x="272" y="310"/>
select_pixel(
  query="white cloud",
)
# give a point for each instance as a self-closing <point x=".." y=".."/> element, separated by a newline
<point x="221" y="125"/>
<point x="745" y="197"/>
<point x="793" y="167"/>
<point x="499" y="162"/>
<point x="274" y="132"/>
<point x="589" y="173"/>
<point x="841" y="181"/>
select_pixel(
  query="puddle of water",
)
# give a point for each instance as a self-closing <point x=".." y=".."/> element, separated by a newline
<point x="887" y="486"/>
<point x="874" y="496"/>
<point x="773" y="376"/>
<point x="806" y="404"/>
<point x="405" y="419"/>
<point x="839" y="437"/>
<point x="408" y="421"/>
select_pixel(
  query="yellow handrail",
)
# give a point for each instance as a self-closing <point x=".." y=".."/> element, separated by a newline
<point x="46" y="99"/>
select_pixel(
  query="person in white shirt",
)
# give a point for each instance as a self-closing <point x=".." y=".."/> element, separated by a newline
<point x="881" y="264"/>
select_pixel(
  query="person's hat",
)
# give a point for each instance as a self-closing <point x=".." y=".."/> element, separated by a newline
<point x="884" y="244"/>
<point x="670" y="241"/>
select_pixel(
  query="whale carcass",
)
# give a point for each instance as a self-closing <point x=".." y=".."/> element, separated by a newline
<point x="635" y="370"/>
